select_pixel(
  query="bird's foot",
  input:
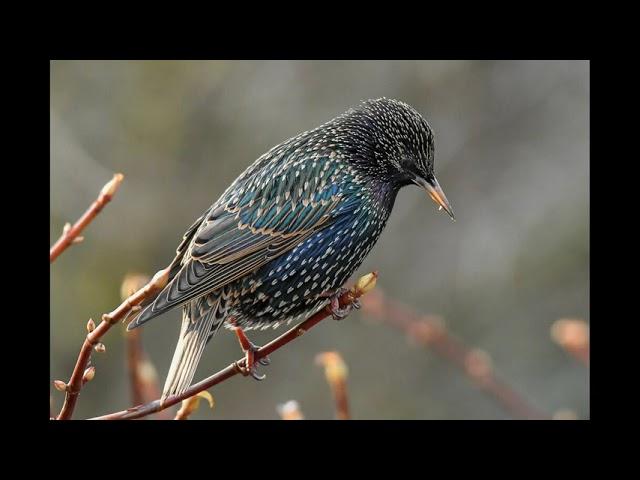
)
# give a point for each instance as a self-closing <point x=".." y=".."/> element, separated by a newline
<point x="337" y="312"/>
<point x="250" y="363"/>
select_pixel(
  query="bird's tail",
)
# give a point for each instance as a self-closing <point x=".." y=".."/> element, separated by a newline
<point x="201" y="319"/>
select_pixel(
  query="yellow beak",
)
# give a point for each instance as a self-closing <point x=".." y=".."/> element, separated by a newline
<point x="437" y="195"/>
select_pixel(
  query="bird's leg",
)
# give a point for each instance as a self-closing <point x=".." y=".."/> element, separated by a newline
<point x="334" y="306"/>
<point x="249" y="349"/>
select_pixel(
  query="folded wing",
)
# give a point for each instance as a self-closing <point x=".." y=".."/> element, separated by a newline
<point x="263" y="221"/>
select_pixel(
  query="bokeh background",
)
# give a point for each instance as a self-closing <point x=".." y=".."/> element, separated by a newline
<point x="512" y="154"/>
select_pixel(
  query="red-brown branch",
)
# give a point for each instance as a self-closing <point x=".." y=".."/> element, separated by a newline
<point x="363" y="285"/>
<point x="70" y="235"/>
<point x="428" y="330"/>
<point x="73" y="387"/>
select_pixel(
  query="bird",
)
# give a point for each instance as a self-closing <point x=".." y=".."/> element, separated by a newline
<point x="281" y="241"/>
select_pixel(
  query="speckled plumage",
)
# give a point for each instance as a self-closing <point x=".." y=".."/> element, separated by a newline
<point x="296" y="224"/>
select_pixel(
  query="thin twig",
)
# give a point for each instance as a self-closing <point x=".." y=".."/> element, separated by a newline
<point x="363" y="285"/>
<point x="336" y="372"/>
<point x="70" y="234"/>
<point x="73" y="387"/>
<point x="429" y="331"/>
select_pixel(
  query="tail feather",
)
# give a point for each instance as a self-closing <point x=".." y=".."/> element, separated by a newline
<point x="197" y="328"/>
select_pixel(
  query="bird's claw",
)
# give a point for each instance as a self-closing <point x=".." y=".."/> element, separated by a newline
<point x="337" y="312"/>
<point x="265" y="361"/>
<point x="252" y="371"/>
<point x="250" y="363"/>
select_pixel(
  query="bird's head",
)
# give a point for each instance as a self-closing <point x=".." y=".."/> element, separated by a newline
<point x="391" y="141"/>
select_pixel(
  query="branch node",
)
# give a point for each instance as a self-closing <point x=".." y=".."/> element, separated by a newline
<point x="109" y="319"/>
<point x="238" y="368"/>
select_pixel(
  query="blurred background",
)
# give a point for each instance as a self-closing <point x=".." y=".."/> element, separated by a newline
<point x="512" y="155"/>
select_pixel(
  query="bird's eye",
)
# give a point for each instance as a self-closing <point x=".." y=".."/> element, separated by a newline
<point x="408" y="163"/>
<point x="410" y="166"/>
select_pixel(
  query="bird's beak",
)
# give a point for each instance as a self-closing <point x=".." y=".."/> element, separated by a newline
<point x="435" y="192"/>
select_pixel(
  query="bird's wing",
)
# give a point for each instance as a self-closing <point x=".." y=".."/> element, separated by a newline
<point x="182" y="249"/>
<point x="261" y="221"/>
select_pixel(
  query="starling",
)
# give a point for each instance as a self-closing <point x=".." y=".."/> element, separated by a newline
<point x="280" y="242"/>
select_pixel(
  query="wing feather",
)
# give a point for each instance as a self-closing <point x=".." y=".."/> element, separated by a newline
<point x="245" y="232"/>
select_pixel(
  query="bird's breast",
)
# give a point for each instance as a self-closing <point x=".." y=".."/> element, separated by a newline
<point x="290" y="285"/>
